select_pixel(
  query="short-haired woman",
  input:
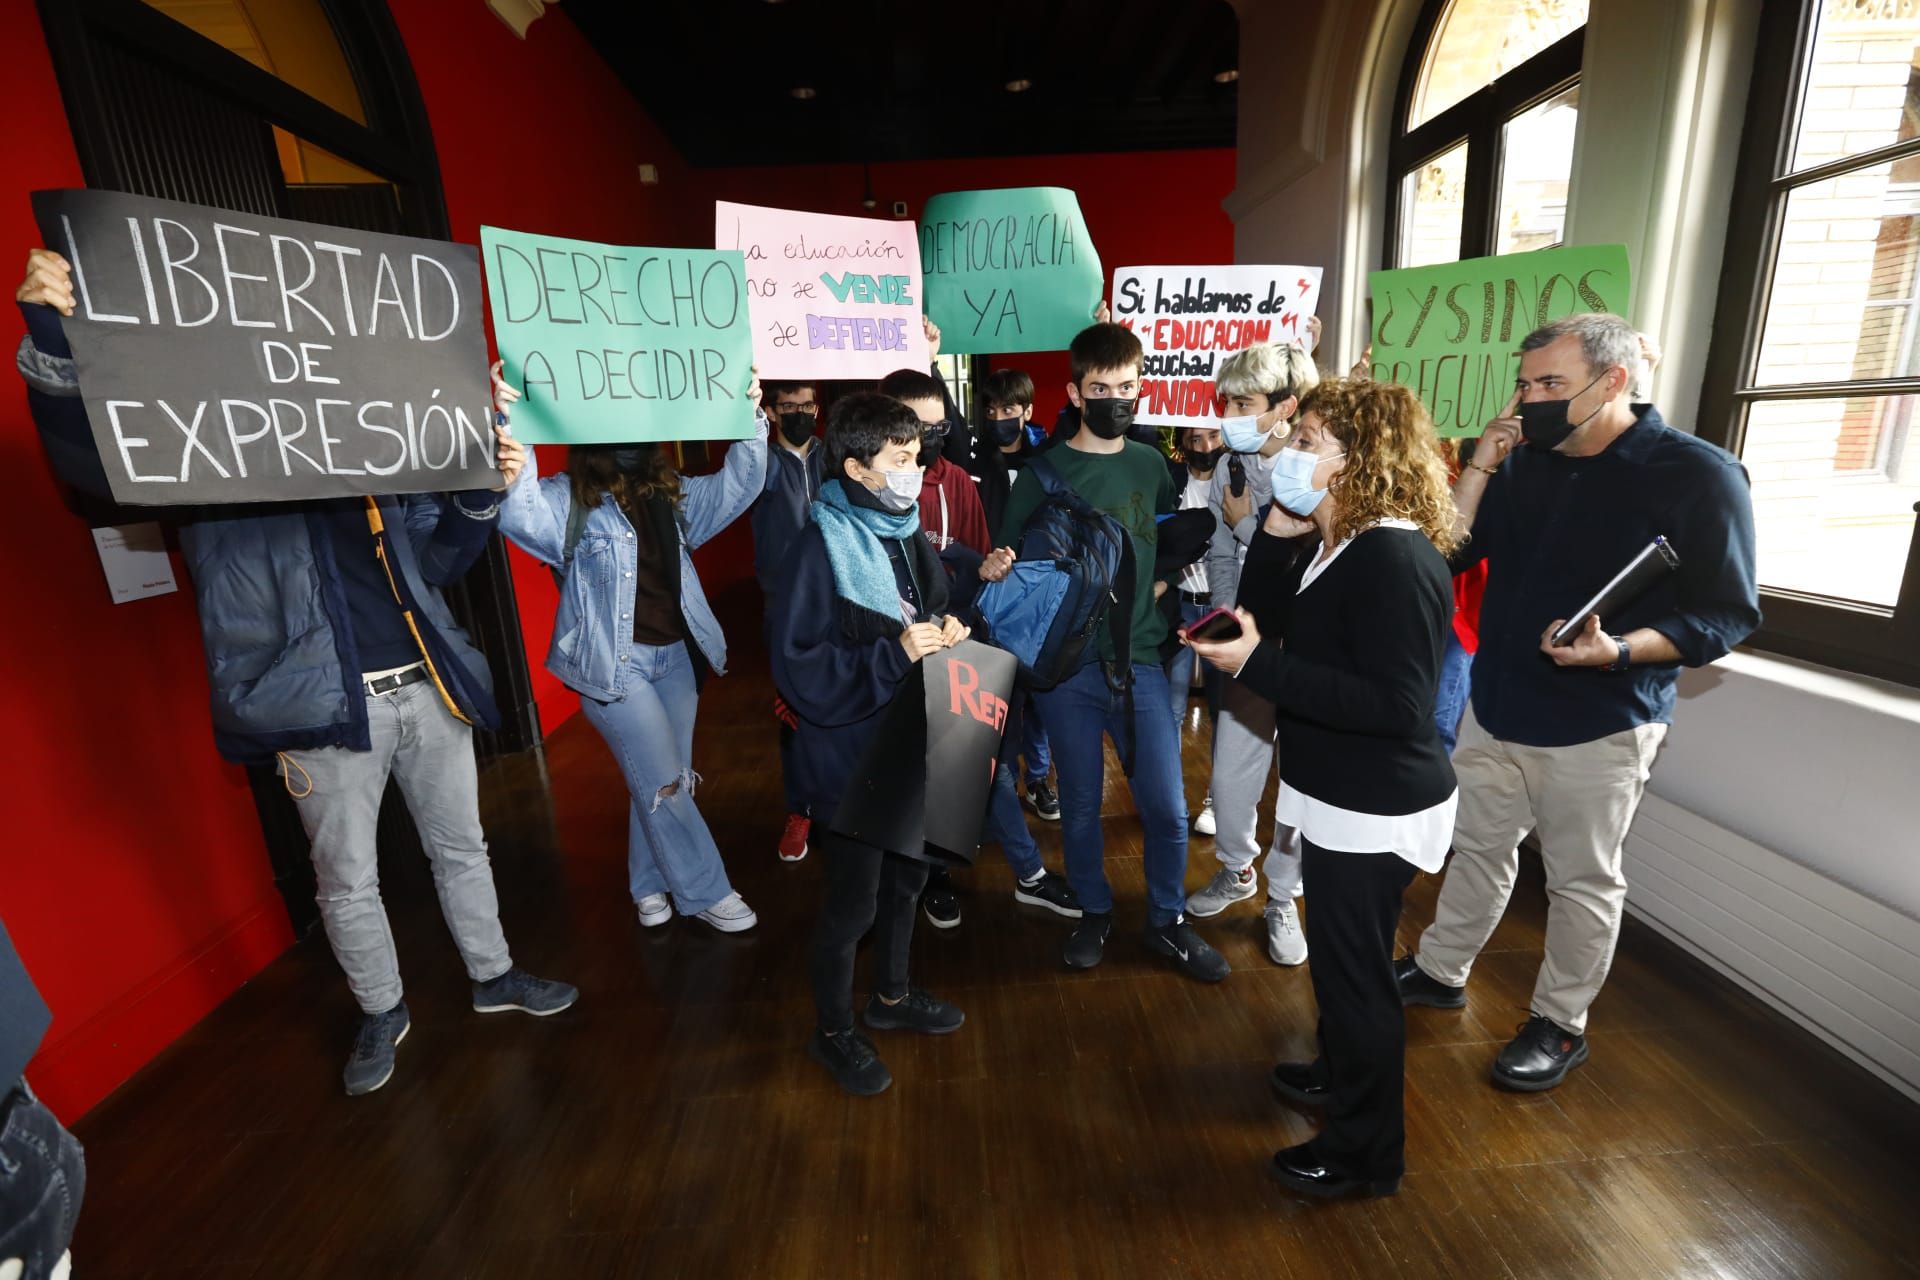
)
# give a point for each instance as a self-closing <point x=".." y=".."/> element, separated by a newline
<point x="1363" y="608"/>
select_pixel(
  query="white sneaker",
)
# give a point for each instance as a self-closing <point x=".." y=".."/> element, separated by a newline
<point x="1203" y="824"/>
<point x="655" y="910"/>
<point x="1286" y="944"/>
<point x="1226" y="888"/>
<point x="730" y="915"/>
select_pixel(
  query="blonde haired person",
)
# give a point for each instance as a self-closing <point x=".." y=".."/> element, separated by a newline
<point x="1261" y="389"/>
<point x="1363" y="607"/>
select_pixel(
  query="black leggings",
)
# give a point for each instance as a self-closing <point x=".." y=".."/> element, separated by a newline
<point x="865" y="889"/>
<point x="1353" y="908"/>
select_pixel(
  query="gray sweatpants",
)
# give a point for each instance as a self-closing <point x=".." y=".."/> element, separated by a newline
<point x="1243" y="756"/>
<point x="429" y="752"/>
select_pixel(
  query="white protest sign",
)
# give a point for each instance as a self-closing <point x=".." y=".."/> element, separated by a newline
<point x="830" y="296"/>
<point x="1189" y="319"/>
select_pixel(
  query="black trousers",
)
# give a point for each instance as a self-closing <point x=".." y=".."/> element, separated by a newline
<point x="865" y="889"/>
<point x="1353" y="908"/>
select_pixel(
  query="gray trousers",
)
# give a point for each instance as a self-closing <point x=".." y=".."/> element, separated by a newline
<point x="1243" y="757"/>
<point x="429" y="752"/>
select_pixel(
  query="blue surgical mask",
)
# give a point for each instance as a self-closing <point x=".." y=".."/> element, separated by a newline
<point x="1243" y="435"/>
<point x="1293" y="480"/>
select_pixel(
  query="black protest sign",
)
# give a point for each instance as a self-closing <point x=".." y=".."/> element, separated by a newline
<point x="225" y="357"/>
<point x="922" y="785"/>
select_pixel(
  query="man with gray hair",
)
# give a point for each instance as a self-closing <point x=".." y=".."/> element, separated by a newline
<point x="1261" y="387"/>
<point x="1559" y="740"/>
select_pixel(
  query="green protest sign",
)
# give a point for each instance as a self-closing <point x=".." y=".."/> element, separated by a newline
<point x="608" y="344"/>
<point x="1008" y="270"/>
<point x="1451" y="332"/>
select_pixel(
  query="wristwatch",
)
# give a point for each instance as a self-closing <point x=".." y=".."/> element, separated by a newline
<point x="1625" y="657"/>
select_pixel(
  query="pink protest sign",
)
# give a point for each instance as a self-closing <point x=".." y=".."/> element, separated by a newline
<point x="829" y="296"/>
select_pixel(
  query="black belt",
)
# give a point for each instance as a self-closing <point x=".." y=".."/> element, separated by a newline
<point x="394" y="683"/>
<point x="1196" y="597"/>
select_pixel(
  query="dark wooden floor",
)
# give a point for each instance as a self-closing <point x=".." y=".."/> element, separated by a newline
<point x="1106" y="1124"/>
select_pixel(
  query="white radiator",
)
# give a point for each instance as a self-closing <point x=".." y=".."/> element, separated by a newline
<point x="1840" y="964"/>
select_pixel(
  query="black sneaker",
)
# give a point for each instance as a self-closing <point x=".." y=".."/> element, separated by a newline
<point x="1089" y="940"/>
<point x="1417" y="988"/>
<point x="852" y="1061"/>
<point x="916" y="1011"/>
<point x="1539" y="1057"/>
<point x="373" y="1049"/>
<point x="940" y="902"/>
<point x="518" y="989"/>
<point x="1188" y="951"/>
<point x="1050" y="891"/>
<point x="1045" y="801"/>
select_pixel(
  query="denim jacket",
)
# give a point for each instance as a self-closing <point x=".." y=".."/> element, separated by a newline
<point x="593" y="631"/>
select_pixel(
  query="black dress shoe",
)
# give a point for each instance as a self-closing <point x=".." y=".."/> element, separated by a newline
<point x="1539" y="1057"/>
<point x="1417" y="988"/>
<point x="1300" y="1169"/>
<point x="1301" y="1083"/>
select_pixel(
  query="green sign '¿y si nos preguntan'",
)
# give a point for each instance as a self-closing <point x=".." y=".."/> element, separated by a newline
<point x="1452" y="332"/>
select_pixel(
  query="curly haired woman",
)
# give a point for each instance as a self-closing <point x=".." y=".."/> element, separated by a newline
<point x="1363" y="609"/>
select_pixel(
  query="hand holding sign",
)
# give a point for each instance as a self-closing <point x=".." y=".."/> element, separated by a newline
<point x="49" y="282"/>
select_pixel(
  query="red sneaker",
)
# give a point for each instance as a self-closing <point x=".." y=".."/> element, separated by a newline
<point x="793" y="841"/>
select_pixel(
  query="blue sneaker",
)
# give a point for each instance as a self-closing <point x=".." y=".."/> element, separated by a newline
<point x="518" y="989"/>
<point x="374" y="1045"/>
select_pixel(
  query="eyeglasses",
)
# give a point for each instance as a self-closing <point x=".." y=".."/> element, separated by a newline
<point x="808" y="407"/>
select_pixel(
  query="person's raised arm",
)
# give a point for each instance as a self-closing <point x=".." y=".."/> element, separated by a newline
<point x="1496" y="442"/>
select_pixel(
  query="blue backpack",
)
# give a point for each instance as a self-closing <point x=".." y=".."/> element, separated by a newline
<point x="1075" y="573"/>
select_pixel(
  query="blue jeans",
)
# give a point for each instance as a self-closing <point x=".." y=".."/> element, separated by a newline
<point x="1007" y="825"/>
<point x="1180" y="670"/>
<point x="1456" y="664"/>
<point x="669" y="849"/>
<point x="1033" y="739"/>
<point x="1080" y="712"/>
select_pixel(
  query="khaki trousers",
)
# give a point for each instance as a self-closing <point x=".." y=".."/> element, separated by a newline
<point x="1580" y="799"/>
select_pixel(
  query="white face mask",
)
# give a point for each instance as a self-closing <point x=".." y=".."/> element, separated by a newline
<point x="902" y="490"/>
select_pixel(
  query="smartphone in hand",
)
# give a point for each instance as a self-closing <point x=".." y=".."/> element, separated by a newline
<point x="1215" y="624"/>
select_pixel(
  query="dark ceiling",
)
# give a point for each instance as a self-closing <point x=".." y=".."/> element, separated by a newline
<point x="921" y="80"/>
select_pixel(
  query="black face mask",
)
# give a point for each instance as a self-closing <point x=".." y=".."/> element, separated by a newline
<point x="1108" y="417"/>
<point x="1002" y="432"/>
<point x="1544" y="423"/>
<point x="1203" y="461"/>
<point x="796" y="428"/>
<point x="632" y="458"/>
<point x="933" y="438"/>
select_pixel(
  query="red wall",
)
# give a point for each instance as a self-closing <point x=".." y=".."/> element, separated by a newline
<point x="132" y="877"/>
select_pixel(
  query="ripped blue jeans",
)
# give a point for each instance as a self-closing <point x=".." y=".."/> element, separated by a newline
<point x="669" y="849"/>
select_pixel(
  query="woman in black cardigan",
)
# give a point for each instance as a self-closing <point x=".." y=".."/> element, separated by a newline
<point x="1363" y="609"/>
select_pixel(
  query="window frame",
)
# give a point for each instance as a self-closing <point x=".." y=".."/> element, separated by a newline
<point x="1859" y="638"/>
<point x="1477" y="120"/>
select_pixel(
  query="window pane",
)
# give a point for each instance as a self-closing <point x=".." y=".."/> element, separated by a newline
<point x="1536" y="158"/>
<point x="1432" y="200"/>
<point x="292" y="39"/>
<point x="1861" y="89"/>
<point x="1478" y="41"/>
<point x="1834" y="483"/>
<point x="1844" y="282"/>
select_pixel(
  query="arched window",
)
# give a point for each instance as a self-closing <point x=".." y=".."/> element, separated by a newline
<point x="1484" y="125"/>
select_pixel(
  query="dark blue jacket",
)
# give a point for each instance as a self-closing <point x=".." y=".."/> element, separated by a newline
<point x="274" y="618"/>
<point x="837" y="665"/>
<point x="780" y="513"/>
<point x="1554" y="529"/>
<point x="23" y="1014"/>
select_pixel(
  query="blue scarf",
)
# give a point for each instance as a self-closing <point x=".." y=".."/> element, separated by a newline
<point x="862" y="573"/>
